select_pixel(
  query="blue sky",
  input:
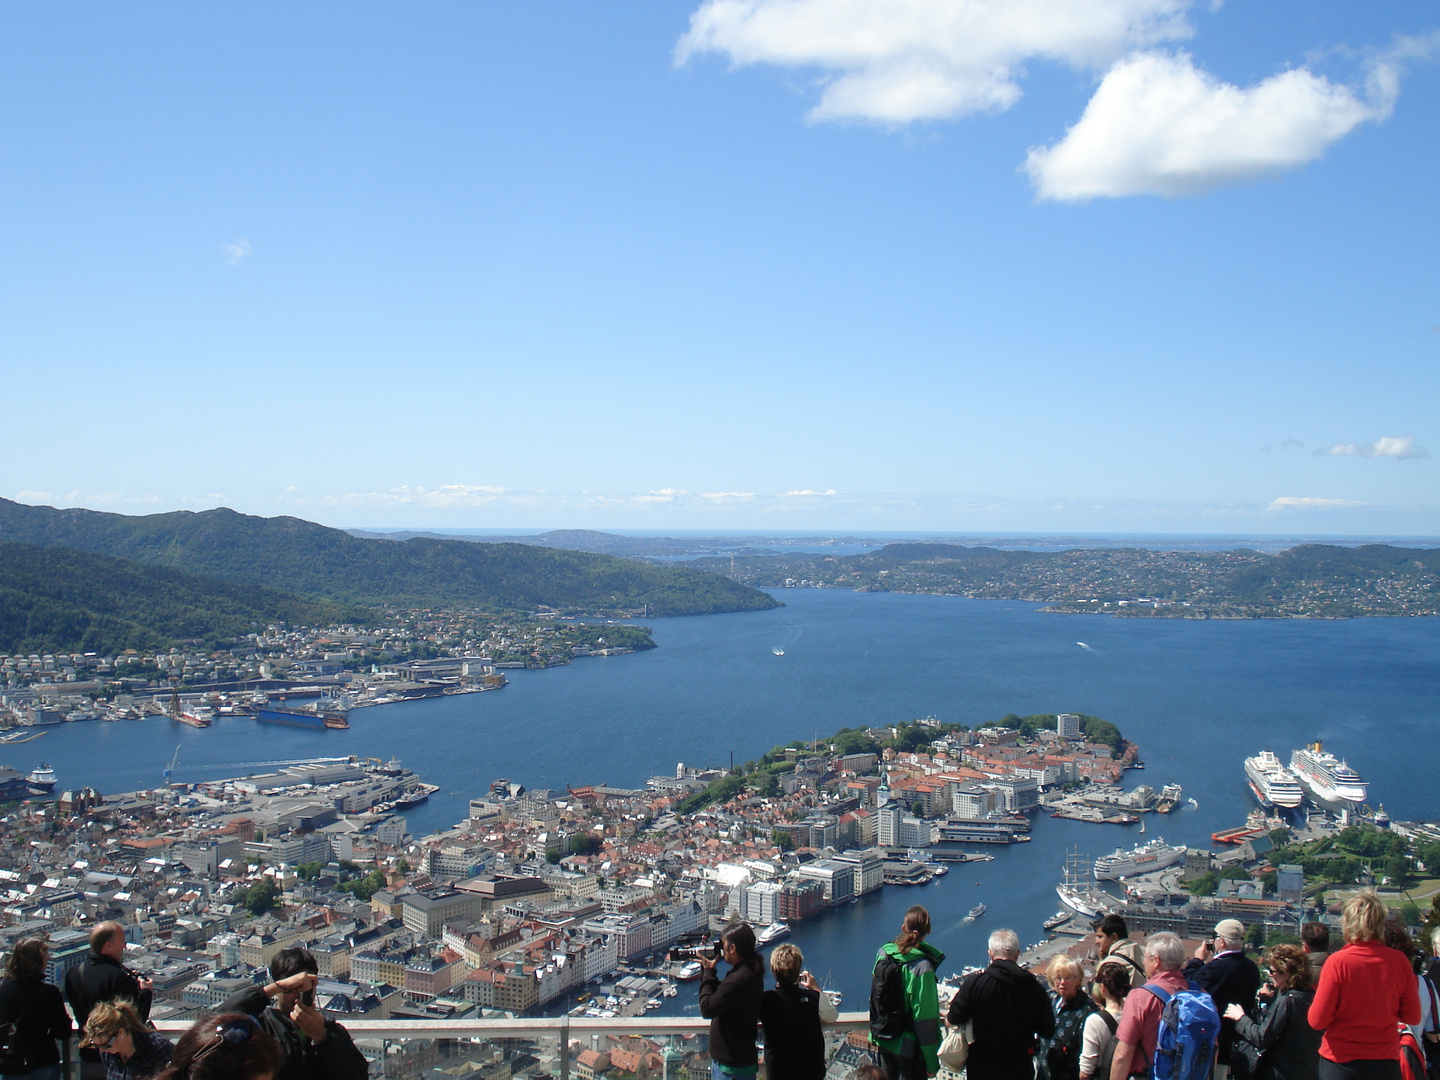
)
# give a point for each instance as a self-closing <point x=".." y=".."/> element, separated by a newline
<point x="1106" y="265"/>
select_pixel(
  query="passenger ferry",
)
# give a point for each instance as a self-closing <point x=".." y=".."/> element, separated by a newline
<point x="1141" y="859"/>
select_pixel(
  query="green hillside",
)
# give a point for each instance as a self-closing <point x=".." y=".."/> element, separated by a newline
<point x="312" y="560"/>
<point x="61" y="600"/>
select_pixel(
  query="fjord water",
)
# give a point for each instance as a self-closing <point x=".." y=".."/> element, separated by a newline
<point x="1198" y="696"/>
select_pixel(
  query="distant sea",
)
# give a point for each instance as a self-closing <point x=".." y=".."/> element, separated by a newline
<point x="1198" y="697"/>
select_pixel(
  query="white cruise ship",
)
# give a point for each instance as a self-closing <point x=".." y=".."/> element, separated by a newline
<point x="1272" y="783"/>
<point x="1141" y="859"/>
<point x="1332" y="782"/>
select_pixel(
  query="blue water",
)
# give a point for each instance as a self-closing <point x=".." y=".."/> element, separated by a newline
<point x="1197" y="696"/>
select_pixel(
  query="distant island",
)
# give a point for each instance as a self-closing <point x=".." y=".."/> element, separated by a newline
<point x="1309" y="581"/>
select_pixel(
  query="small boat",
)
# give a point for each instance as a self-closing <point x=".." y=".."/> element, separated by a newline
<point x="940" y="871"/>
<point x="1058" y="919"/>
<point x="776" y="931"/>
<point x="689" y="971"/>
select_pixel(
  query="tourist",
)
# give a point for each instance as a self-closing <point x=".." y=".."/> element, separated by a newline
<point x="1010" y="1010"/>
<point x="1399" y="939"/>
<point x="1223" y="971"/>
<point x="36" y="1010"/>
<point x="1061" y="1057"/>
<point x="313" y="1047"/>
<point x="733" y="1006"/>
<point x="128" y="1048"/>
<point x="102" y="977"/>
<point x="1097" y="1049"/>
<point x="1366" y="991"/>
<point x="791" y="1015"/>
<point x="1139" y="1028"/>
<point x="1315" y="939"/>
<point x="905" y="1001"/>
<point x="1112" y="939"/>
<point x="1282" y="1039"/>
<point x="231" y="1046"/>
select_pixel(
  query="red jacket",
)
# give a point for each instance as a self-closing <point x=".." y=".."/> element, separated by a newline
<point x="1366" y="991"/>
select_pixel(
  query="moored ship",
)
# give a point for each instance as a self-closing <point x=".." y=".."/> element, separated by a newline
<point x="1141" y="859"/>
<point x="1329" y="780"/>
<point x="197" y="716"/>
<point x="302" y="718"/>
<point x="1078" y="891"/>
<point x="42" y="780"/>
<point x="1272" y="783"/>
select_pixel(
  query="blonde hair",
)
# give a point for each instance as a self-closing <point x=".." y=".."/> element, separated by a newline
<point x="108" y="1019"/>
<point x="1363" y="917"/>
<point x="786" y="962"/>
<point x="1064" y="965"/>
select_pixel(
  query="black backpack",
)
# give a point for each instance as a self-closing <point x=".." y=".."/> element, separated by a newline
<point x="889" y="1011"/>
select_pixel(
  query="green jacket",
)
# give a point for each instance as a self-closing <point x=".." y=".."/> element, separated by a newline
<point x="923" y="1039"/>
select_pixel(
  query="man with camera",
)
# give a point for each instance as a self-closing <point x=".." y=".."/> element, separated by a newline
<point x="1223" y="971"/>
<point x="315" y="1048"/>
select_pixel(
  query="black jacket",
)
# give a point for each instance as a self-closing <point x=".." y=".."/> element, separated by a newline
<point x="40" y="1018"/>
<point x="1231" y="979"/>
<point x="100" y="978"/>
<point x="794" y="1043"/>
<point x="733" y="1009"/>
<point x="1290" y="1044"/>
<point x="334" y="1059"/>
<point x="1011" y="1012"/>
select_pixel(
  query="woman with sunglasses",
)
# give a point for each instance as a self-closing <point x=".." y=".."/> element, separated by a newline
<point x="231" y="1046"/>
<point x="35" y="1008"/>
<point x="128" y="1049"/>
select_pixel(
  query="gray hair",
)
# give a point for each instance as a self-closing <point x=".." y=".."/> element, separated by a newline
<point x="1167" y="949"/>
<point x="1435" y="941"/>
<point x="1004" y="944"/>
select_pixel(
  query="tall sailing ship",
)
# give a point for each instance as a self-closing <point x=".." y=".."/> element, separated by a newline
<point x="1078" y="891"/>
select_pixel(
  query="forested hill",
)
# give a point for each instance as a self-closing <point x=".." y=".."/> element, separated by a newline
<point x="302" y="557"/>
<point x="62" y="600"/>
<point x="1312" y="580"/>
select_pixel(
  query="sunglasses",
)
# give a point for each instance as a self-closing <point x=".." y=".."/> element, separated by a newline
<point x="233" y="1032"/>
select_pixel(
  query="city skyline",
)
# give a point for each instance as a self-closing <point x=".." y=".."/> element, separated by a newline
<point x="1121" y="266"/>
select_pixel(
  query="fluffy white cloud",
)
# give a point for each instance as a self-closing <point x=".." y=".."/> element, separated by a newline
<point x="237" y="252"/>
<point x="907" y="60"/>
<point x="1157" y="125"/>
<point x="1400" y="447"/>
<point x="1292" y="502"/>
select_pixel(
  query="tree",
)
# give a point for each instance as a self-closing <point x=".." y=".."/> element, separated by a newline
<point x="1255" y="935"/>
<point x="584" y="843"/>
<point x="403" y="865"/>
<point x="782" y="839"/>
<point x="261" y="896"/>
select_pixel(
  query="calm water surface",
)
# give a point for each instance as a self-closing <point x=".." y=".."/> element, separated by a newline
<point x="1198" y="697"/>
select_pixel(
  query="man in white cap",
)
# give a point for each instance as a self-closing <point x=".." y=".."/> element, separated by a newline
<point x="1230" y="977"/>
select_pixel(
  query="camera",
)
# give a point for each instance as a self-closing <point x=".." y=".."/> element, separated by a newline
<point x="695" y="945"/>
<point x="307" y="997"/>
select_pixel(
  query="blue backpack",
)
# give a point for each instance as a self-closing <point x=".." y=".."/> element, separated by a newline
<point x="1185" y="1045"/>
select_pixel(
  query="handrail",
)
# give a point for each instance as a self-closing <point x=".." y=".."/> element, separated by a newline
<point x="531" y="1027"/>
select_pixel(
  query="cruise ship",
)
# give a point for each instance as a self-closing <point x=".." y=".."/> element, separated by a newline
<point x="776" y="931"/>
<point x="1141" y="859"/>
<point x="1329" y="780"/>
<point x="1272" y="783"/>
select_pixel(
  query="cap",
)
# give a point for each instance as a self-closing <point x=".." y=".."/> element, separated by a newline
<point x="1230" y="929"/>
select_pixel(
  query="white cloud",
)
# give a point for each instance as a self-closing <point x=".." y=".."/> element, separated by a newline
<point x="907" y="60"/>
<point x="237" y="252"/>
<point x="807" y="491"/>
<point x="1292" y="502"/>
<point x="1157" y="125"/>
<point x="1399" y="447"/>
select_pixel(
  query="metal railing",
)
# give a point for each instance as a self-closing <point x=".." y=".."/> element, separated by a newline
<point x="561" y="1028"/>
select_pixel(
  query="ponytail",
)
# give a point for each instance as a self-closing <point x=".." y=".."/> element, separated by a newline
<point x="914" y="929"/>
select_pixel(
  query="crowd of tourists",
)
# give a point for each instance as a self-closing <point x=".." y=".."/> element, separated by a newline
<point x="1369" y="1010"/>
<point x="269" y="1033"/>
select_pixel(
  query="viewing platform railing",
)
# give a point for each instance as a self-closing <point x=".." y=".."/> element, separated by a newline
<point x="552" y="1036"/>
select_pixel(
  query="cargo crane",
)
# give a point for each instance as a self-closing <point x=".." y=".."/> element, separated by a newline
<point x="171" y="767"/>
